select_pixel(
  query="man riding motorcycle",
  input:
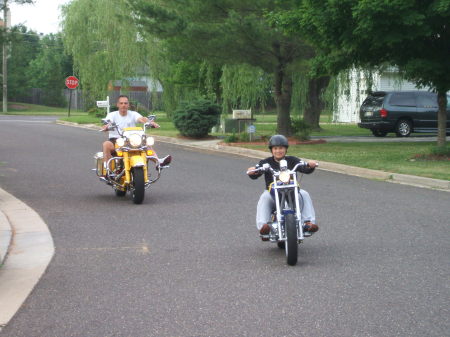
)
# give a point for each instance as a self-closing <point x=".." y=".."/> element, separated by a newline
<point x="278" y="145"/>
<point x="124" y="118"/>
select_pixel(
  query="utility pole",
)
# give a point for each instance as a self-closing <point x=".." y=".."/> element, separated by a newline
<point x="5" y="57"/>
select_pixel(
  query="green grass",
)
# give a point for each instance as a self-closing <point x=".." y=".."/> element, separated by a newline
<point x="33" y="109"/>
<point x="389" y="157"/>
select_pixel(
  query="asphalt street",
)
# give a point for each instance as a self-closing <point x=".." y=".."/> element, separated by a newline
<point x="188" y="261"/>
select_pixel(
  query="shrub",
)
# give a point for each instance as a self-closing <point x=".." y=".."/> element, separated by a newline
<point x="195" y="119"/>
<point x="300" y="129"/>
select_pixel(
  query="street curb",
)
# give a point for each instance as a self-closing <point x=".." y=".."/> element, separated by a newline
<point x="212" y="145"/>
<point x="29" y="251"/>
<point x="5" y="237"/>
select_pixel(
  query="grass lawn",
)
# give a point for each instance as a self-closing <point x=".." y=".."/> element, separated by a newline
<point x="33" y="109"/>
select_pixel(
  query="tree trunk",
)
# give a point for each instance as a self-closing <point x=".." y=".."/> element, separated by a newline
<point x="442" y="117"/>
<point x="315" y="103"/>
<point x="282" y="96"/>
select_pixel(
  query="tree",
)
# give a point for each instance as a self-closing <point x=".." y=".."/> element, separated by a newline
<point x="412" y="35"/>
<point x="229" y="32"/>
<point x="5" y="38"/>
<point x="25" y="46"/>
<point x="103" y="41"/>
<point x="49" y="69"/>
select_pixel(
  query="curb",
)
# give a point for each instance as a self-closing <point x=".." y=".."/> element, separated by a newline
<point x="27" y="249"/>
<point x="5" y="237"/>
<point x="212" y="145"/>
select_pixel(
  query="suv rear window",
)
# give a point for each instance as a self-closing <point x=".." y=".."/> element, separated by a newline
<point x="402" y="99"/>
<point x="373" y="102"/>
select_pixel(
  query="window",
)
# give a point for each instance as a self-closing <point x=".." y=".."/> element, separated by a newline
<point x="373" y="102"/>
<point x="427" y="100"/>
<point x="403" y="99"/>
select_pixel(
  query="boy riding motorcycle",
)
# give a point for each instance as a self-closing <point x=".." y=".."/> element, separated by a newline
<point x="278" y="145"/>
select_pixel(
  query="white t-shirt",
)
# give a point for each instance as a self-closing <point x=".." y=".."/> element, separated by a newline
<point x="127" y="121"/>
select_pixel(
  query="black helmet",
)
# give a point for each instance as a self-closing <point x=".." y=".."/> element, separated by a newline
<point x="278" y="140"/>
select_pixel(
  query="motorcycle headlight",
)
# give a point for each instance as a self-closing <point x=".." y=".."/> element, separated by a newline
<point x="285" y="177"/>
<point x="120" y="142"/>
<point x="135" y="140"/>
<point x="150" y="141"/>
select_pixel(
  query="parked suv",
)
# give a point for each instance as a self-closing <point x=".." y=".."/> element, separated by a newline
<point x="401" y="112"/>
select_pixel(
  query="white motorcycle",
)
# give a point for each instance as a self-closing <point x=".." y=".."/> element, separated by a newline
<point x="286" y="228"/>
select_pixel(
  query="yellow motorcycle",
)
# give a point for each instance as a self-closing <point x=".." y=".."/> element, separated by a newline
<point x="133" y="162"/>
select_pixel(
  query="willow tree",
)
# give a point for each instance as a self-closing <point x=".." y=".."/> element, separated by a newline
<point x="103" y="42"/>
<point x="229" y="32"/>
<point x="244" y="87"/>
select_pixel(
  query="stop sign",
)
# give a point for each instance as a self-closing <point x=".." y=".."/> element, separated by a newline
<point x="71" y="82"/>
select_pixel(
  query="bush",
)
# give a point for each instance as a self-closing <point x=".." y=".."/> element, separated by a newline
<point x="196" y="119"/>
<point x="300" y="129"/>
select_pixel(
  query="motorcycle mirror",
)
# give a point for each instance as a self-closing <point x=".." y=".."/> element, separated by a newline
<point x="105" y="121"/>
<point x="151" y="117"/>
<point x="283" y="164"/>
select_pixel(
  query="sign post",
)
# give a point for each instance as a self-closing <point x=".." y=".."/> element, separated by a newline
<point x="71" y="83"/>
<point x="104" y="104"/>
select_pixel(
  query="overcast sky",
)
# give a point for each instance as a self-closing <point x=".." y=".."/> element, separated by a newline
<point x="43" y="16"/>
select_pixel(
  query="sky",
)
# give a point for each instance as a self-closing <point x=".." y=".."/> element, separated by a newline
<point x="43" y="16"/>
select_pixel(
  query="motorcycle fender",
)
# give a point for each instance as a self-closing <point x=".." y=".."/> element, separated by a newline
<point x="137" y="161"/>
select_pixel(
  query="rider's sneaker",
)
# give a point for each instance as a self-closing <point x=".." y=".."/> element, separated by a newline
<point x="165" y="161"/>
<point x="308" y="226"/>
<point x="265" y="230"/>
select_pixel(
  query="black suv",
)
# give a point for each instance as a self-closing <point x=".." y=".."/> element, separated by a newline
<point x="401" y="112"/>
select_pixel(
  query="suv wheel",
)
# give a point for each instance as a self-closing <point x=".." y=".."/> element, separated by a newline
<point x="403" y="128"/>
<point x="378" y="133"/>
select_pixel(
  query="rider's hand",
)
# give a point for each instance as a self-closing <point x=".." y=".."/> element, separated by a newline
<point x="312" y="164"/>
<point x="154" y="124"/>
<point x="105" y="127"/>
<point x="251" y="171"/>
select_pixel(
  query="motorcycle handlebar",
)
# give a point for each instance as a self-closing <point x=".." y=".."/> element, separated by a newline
<point x="267" y="167"/>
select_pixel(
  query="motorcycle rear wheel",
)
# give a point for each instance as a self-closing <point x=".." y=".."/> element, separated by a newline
<point x="291" y="245"/>
<point x="139" y="185"/>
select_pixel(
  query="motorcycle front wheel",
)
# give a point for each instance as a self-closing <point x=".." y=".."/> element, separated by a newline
<point x="139" y="185"/>
<point x="291" y="245"/>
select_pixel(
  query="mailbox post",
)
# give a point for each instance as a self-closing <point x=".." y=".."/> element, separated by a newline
<point x="104" y="104"/>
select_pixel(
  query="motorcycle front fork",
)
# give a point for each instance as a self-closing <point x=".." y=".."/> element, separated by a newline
<point x="278" y="230"/>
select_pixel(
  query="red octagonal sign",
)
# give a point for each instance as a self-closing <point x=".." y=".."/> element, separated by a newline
<point x="71" y="82"/>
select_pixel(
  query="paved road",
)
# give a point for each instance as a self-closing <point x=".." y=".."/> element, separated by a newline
<point x="188" y="262"/>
